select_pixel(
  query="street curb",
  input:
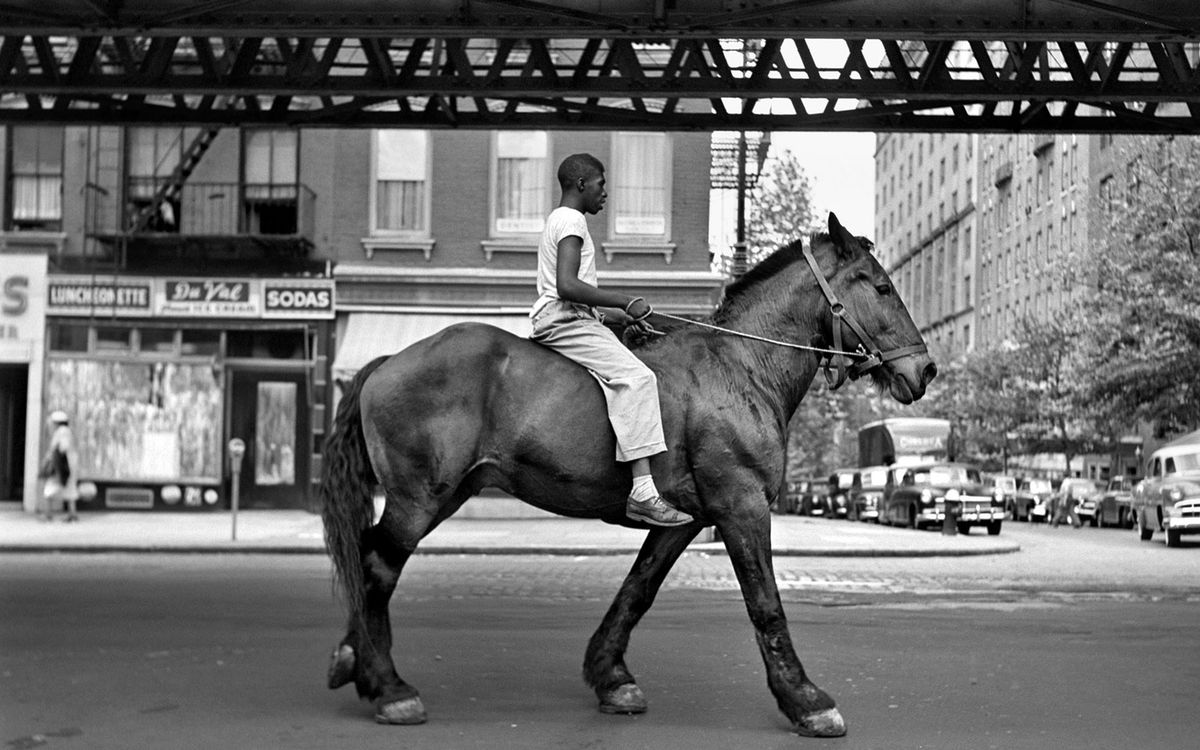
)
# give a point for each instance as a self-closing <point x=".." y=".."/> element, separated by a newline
<point x="471" y="550"/>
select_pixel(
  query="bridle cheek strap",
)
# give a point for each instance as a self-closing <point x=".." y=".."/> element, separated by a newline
<point x="867" y="352"/>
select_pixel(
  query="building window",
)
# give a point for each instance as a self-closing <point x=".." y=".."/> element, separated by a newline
<point x="36" y="156"/>
<point x="401" y="195"/>
<point x="522" y="181"/>
<point x="271" y="172"/>
<point x="640" y="183"/>
<point x="154" y="154"/>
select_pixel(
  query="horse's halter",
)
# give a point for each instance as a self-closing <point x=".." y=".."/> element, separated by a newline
<point x="867" y="351"/>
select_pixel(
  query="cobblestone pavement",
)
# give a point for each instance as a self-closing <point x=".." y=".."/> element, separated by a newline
<point x="1053" y="566"/>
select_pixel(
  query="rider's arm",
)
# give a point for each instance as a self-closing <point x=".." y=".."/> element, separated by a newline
<point x="573" y="289"/>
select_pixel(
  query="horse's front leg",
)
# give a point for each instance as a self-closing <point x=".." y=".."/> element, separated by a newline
<point x="604" y="663"/>
<point x="747" y="535"/>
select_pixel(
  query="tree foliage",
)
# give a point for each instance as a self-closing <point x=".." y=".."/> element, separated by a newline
<point x="1144" y="342"/>
<point x="780" y="208"/>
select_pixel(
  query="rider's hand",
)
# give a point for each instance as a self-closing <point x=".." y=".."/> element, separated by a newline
<point x="638" y="309"/>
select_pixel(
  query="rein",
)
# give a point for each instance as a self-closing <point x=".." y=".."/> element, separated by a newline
<point x="867" y="351"/>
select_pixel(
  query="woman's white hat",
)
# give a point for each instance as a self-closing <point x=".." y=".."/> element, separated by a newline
<point x="58" y="415"/>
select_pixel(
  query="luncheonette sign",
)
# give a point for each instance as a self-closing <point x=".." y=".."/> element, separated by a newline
<point x="192" y="297"/>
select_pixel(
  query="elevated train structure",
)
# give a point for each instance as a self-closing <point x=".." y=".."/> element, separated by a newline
<point x="868" y="65"/>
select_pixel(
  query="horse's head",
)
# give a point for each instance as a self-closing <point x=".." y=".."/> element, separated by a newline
<point x="871" y="317"/>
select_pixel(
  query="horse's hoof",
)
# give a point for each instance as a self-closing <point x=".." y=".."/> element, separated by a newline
<point x="623" y="699"/>
<point x="826" y="723"/>
<point x="341" y="667"/>
<point x="405" y="711"/>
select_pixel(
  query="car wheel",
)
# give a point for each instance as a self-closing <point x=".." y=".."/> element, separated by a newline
<point x="912" y="517"/>
<point x="964" y="528"/>
<point x="1173" y="538"/>
<point x="1143" y="532"/>
<point x="993" y="528"/>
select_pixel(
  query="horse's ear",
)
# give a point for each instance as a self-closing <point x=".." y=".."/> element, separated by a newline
<point x="841" y="238"/>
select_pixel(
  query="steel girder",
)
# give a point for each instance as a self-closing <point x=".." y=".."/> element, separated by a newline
<point x="1021" y="65"/>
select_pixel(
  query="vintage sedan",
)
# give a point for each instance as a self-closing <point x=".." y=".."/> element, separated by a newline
<point x="1116" y="501"/>
<point x="867" y="492"/>
<point x="1084" y="493"/>
<point x="1029" y="503"/>
<point x="840" y="483"/>
<point x="1168" y="499"/>
<point x="920" y="498"/>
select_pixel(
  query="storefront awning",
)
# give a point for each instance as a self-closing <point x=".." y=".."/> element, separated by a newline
<point x="370" y="334"/>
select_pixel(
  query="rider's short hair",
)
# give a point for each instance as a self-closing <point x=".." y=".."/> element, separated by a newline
<point x="577" y="166"/>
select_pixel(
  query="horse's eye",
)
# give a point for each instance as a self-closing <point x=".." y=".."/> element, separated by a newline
<point x="884" y="289"/>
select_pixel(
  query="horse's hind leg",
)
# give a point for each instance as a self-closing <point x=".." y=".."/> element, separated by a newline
<point x="604" y="663"/>
<point x="364" y="655"/>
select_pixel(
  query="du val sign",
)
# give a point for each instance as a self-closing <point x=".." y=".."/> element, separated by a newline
<point x="224" y="298"/>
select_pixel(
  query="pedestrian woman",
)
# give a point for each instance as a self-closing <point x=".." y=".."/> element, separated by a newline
<point x="59" y="470"/>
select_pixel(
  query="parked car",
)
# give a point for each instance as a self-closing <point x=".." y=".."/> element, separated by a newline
<point x="867" y="492"/>
<point x="840" y="483"/>
<point x="1039" y="512"/>
<point x="1002" y="486"/>
<point x="1031" y="492"/>
<point x="805" y="496"/>
<point x="919" y="499"/>
<point x="1085" y="493"/>
<point x="814" y="498"/>
<point x="1114" y="506"/>
<point x="1168" y="499"/>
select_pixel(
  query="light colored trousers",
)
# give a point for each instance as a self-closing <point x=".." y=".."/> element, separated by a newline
<point x="630" y="387"/>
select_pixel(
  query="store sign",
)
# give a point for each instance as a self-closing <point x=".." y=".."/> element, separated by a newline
<point x="297" y="299"/>
<point x="22" y="305"/>
<point x="191" y="297"/>
<point x="217" y="298"/>
<point x="90" y="295"/>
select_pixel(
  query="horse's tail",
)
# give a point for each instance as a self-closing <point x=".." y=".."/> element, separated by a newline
<point x="347" y="490"/>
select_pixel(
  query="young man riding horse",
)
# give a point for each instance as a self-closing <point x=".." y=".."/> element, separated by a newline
<point x="565" y="319"/>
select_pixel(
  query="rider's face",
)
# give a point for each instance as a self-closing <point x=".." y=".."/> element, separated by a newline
<point x="594" y="194"/>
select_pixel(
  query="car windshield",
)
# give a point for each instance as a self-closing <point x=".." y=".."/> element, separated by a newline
<point x="952" y="475"/>
<point x="845" y="480"/>
<point x="875" y="478"/>
<point x="1187" y="462"/>
<point x="1038" y="485"/>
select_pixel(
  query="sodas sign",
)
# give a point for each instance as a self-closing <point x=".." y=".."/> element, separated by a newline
<point x="294" y="299"/>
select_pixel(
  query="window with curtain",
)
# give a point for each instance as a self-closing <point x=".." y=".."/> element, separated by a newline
<point x="36" y="174"/>
<point x="401" y="181"/>
<point x="522" y="185"/>
<point x="639" y="182"/>
<point x="271" y="165"/>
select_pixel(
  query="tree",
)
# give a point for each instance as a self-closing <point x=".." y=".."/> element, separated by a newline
<point x="1145" y="339"/>
<point x="780" y="208"/>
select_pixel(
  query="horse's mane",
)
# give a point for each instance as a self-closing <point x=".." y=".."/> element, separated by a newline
<point x="777" y="261"/>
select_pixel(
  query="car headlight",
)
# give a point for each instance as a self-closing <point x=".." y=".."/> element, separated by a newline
<point x="953" y="494"/>
<point x="926" y="497"/>
<point x="1175" y="494"/>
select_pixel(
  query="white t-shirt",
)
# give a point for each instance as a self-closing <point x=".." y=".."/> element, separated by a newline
<point x="562" y="222"/>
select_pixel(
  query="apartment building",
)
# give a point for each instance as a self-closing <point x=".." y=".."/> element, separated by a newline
<point x="926" y="232"/>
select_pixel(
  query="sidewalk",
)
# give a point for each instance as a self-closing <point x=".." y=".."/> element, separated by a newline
<point x="299" y="532"/>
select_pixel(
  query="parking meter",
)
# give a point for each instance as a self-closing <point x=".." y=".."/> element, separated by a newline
<point x="237" y="451"/>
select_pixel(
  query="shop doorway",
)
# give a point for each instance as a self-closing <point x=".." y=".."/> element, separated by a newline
<point x="14" y="396"/>
<point x="269" y="411"/>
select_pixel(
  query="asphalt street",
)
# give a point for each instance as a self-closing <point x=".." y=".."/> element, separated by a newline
<point x="1084" y="639"/>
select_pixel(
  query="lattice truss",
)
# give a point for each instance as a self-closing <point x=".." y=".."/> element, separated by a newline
<point x="612" y="80"/>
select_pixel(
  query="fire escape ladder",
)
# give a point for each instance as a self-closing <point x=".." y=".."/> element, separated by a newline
<point x="173" y="185"/>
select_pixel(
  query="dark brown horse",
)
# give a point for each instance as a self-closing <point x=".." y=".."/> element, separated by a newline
<point x="473" y="406"/>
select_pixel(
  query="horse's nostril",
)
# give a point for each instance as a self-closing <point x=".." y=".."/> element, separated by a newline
<point x="929" y="373"/>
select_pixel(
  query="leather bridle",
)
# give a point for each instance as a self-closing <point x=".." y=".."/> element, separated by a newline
<point x="868" y="352"/>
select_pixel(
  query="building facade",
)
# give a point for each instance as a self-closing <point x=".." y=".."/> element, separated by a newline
<point x="926" y="230"/>
<point x="175" y="288"/>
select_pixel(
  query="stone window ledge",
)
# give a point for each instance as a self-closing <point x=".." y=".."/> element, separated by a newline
<point x="649" y="247"/>
<point x="373" y="245"/>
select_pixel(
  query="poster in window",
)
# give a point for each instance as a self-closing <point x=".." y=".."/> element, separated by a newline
<point x="275" y="434"/>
